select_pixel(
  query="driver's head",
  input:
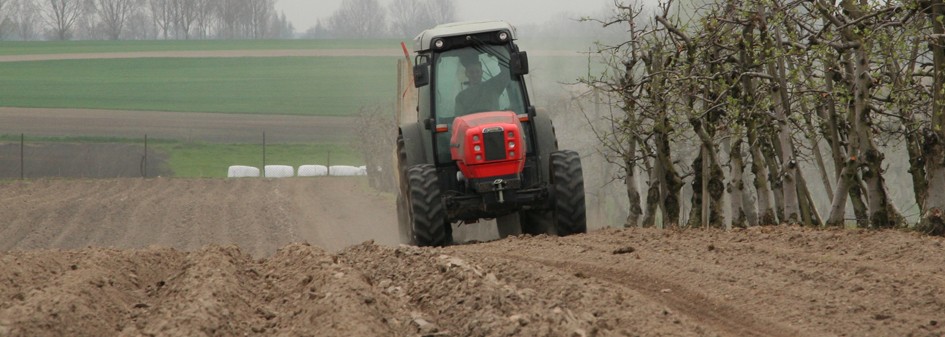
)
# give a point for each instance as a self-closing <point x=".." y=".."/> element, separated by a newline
<point x="473" y="70"/>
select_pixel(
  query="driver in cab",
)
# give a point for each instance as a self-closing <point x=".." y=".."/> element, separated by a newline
<point x="480" y="96"/>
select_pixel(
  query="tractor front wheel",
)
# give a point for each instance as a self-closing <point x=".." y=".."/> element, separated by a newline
<point x="566" y="213"/>
<point x="567" y="182"/>
<point x="427" y="211"/>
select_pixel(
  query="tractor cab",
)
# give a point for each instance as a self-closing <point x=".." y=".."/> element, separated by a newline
<point x="464" y="69"/>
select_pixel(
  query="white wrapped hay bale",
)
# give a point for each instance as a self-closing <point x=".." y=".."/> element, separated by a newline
<point x="240" y="171"/>
<point x="344" y="171"/>
<point x="362" y="170"/>
<point x="279" y="171"/>
<point x="313" y="171"/>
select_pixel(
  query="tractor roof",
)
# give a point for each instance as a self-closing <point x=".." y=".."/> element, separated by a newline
<point x="423" y="41"/>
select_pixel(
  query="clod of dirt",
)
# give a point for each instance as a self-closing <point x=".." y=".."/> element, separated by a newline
<point x="624" y="250"/>
<point x="424" y="327"/>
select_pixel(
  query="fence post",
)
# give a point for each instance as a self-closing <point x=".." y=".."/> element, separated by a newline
<point x="22" y="172"/>
<point x="144" y="173"/>
<point x="264" y="155"/>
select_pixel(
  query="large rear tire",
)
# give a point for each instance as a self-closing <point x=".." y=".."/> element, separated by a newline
<point x="567" y="181"/>
<point x="427" y="211"/>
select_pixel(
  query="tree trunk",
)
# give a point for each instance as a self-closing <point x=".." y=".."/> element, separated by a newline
<point x="652" y="194"/>
<point x="839" y="202"/>
<point x="882" y="214"/>
<point x="747" y="100"/>
<point x="743" y="213"/>
<point x="670" y="182"/>
<point x="933" y="211"/>
<point x="782" y="111"/>
<point x="809" y="211"/>
<point x="766" y="214"/>
<point x="818" y="156"/>
<point x="774" y="177"/>
<point x="635" y="211"/>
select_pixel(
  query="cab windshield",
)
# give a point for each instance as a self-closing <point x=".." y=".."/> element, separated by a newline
<point x="475" y="79"/>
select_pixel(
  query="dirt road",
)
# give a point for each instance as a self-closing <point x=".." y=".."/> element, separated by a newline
<point x="176" y="257"/>
<point x="184" y="126"/>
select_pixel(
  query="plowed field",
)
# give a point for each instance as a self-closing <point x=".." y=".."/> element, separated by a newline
<point x="317" y="257"/>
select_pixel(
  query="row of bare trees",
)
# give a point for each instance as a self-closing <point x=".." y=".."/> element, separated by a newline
<point x="141" y="19"/>
<point x="755" y="90"/>
<point x="369" y="19"/>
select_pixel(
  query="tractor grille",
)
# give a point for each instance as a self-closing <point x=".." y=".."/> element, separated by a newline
<point x="494" y="142"/>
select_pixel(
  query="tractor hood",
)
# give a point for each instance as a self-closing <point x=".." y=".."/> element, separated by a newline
<point x="488" y="144"/>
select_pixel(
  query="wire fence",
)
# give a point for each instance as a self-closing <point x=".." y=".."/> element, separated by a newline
<point x="44" y="157"/>
<point x="25" y="159"/>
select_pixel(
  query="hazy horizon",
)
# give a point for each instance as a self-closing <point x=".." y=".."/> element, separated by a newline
<point x="304" y="14"/>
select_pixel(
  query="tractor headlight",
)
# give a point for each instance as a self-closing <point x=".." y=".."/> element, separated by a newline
<point x="477" y="148"/>
<point x="511" y="145"/>
<point x="503" y="36"/>
<point x="438" y="44"/>
<point x="475" y="138"/>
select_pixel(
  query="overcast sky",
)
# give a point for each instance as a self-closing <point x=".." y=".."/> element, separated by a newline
<point x="304" y="13"/>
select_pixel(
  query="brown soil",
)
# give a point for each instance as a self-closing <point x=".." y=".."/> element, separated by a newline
<point x="176" y="257"/>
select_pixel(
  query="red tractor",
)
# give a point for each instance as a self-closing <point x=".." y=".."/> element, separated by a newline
<point x="477" y="148"/>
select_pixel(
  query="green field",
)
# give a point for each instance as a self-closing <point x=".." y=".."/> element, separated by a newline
<point x="69" y="47"/>
<point x="335" y="86"/>
<point x="212" y="160"/>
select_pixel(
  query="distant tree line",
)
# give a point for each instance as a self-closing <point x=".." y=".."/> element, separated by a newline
<point x="141" y="19"/>
<point x="368" y="19"/>
<point x="734" y="97"/>
<point x="210" y="19"/>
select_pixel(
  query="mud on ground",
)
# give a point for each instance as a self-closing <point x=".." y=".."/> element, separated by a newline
<point x="316" y="257"/>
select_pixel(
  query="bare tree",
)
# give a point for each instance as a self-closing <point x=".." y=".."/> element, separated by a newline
<point x="441" y="11"/>
<point x="163" y="16"/>
<point x="61" y="16"/>
<point x="358" y="19"/>
<point x="25" y="16"/>
<point x="624" y="81"/>
<point x="260" y="14"/>
<point x="184" y="13"/>
<point x="113" y="14"/>
<point x="205" y="18"/>
<point x="408" y="17"/>
<point x="4" y="17"/>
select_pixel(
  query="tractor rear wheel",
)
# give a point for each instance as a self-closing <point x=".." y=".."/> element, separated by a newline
<point x="567" y="182"/>
<point x="427" y="212"/>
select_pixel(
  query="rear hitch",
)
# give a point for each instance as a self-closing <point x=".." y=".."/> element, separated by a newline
<point x="499" y="185"/>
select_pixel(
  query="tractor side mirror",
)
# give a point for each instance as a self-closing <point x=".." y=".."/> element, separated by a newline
<point x="421" y="75"/>
<point x="519" y="63"/>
